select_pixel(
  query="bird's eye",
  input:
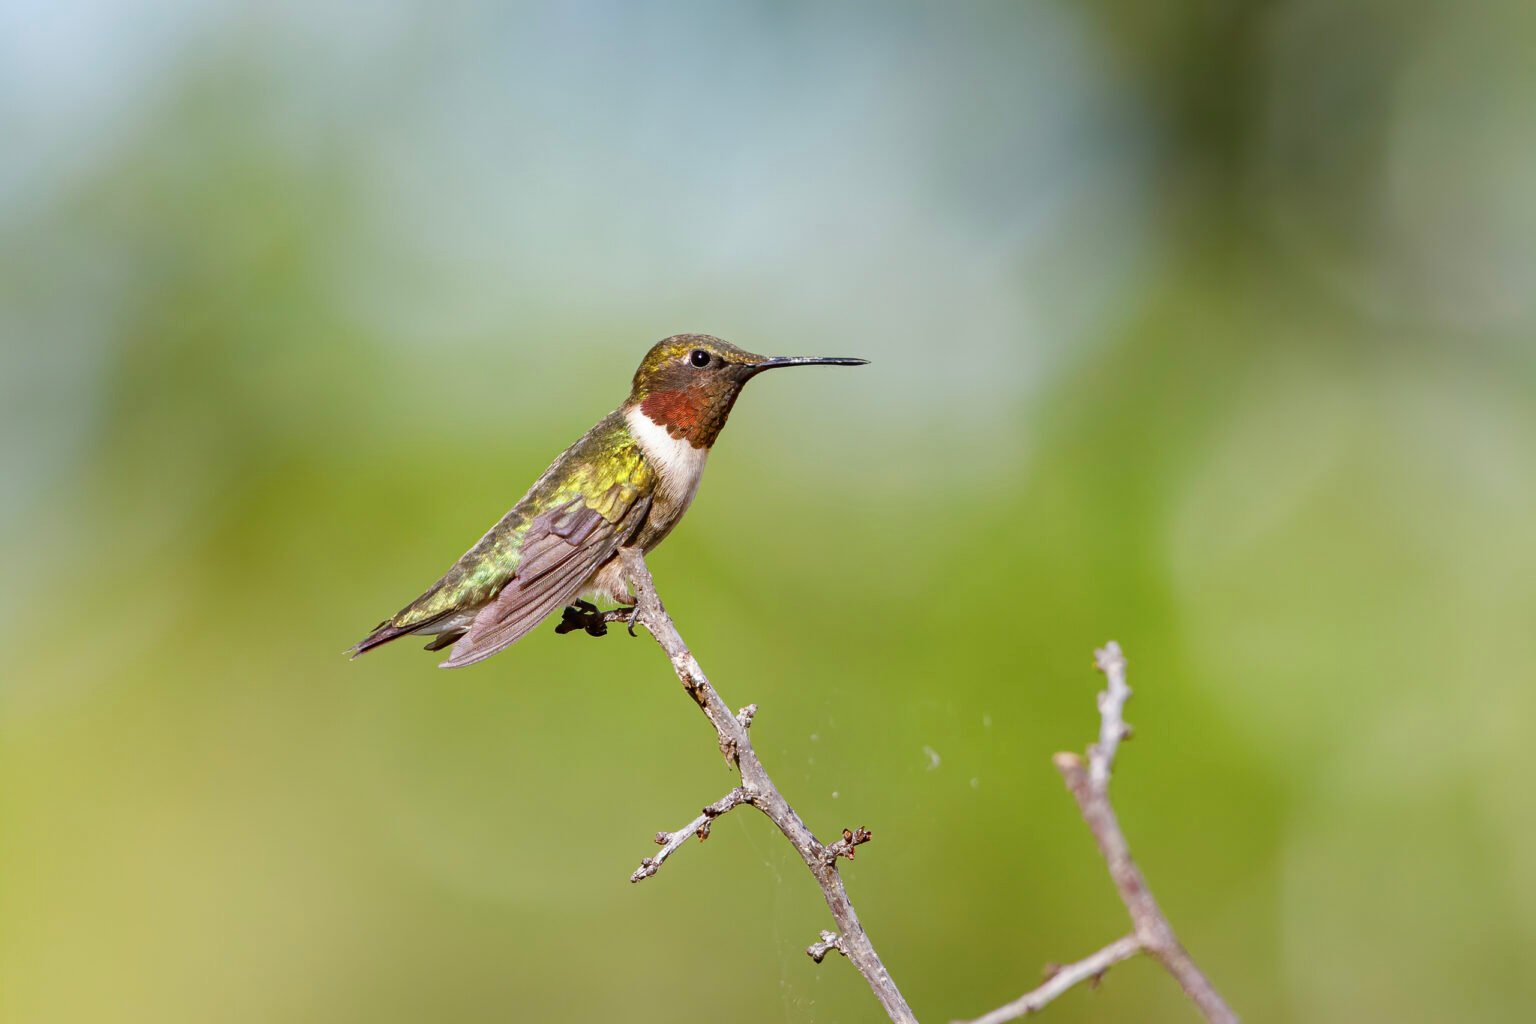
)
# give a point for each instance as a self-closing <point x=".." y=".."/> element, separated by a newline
<point x="698" y="357"/>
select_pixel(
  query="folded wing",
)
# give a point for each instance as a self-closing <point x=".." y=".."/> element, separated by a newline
<point x="561" y="551"/>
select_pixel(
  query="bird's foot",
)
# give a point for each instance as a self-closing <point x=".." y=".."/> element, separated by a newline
<point x="583" y="615"/>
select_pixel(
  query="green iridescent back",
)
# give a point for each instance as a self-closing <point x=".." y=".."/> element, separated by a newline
<point x="605" y="469"/>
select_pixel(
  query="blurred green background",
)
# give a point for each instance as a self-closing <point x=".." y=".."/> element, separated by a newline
<point x="1206" y="327"/>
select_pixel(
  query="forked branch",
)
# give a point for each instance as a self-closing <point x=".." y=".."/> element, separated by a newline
<point x="1088" y="782"/>
<point x="1087" y="779"/>
<point x="758" y="790"/>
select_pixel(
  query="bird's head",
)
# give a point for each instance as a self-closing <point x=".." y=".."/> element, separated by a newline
<point x="687" y="383"/>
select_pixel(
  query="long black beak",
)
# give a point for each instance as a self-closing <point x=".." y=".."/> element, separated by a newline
<point x="778" y="361"/>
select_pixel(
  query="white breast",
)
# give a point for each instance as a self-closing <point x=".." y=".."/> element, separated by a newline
<point x="680" y="465"/>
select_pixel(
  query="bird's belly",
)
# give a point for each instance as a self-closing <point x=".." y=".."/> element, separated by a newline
<point x="670" y="501"/>
<point x="610" y="583"/>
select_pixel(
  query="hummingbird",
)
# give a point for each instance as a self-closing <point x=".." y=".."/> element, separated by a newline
<point x="625" y="483"/>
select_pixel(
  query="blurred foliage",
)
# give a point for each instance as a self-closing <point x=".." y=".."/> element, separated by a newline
<point x="1201" y="326"/>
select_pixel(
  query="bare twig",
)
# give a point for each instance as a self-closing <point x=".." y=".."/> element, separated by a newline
<point x="1112" y="728"/>
<point x="1091" y="790"/>
<point x="671" y="842"/>
<point x="1086" y="779"/>
<point x="829" y="942"/>
<point x="1088" y="969"/>
<point x="758" y="789"/>
<point x="1089" y="785"/>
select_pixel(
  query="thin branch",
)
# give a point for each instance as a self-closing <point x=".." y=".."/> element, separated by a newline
<point x="671" y="842"/>
<point x="1112" y="728"/>
<point x="1089" y="969"/>
<point x="758" y="789"/>
<point x="1091" y="790"/>
<point x="1088" y="782"/>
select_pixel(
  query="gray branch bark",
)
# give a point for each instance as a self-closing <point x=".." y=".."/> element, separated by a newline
<point x="1089" y="785"/>
<point x="758" y="790"/>
<point x="671" y="842"/>
<point x="1086" y="779"/>
<point x="1060" y="979"/>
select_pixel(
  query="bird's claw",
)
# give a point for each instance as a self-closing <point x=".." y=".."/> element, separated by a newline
<point x="583" y="615"/>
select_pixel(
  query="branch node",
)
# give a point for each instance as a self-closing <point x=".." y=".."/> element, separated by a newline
<point x="1067" y="762"/>
<point x="1109" y="658"/>
<point x="845" y="847"/>
<point x="745" y="716"/>
<point x="829" y="942"/>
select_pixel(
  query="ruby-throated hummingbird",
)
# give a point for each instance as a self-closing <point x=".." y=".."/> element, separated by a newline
<point x="625" y="483"/>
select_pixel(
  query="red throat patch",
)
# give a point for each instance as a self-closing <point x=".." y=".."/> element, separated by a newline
<point x="678" y="411"/>
<point x="687" y="413"/>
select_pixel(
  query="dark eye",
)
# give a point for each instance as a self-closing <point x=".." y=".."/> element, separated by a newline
<point x="698" y="357"/>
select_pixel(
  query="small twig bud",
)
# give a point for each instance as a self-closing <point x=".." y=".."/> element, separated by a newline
<point x="829" y="941"/>
<point x="844" y="847"/>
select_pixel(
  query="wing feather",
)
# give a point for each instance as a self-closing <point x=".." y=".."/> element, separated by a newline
<point x="560" y="553"/>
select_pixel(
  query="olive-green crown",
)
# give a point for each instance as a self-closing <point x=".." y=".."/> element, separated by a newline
<point x="667" y="365"/>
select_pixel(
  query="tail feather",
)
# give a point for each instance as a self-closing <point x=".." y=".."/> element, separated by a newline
<point x="383" y="633"/>
<point x="446" y="638"/>
<point x="387" y="630"/>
